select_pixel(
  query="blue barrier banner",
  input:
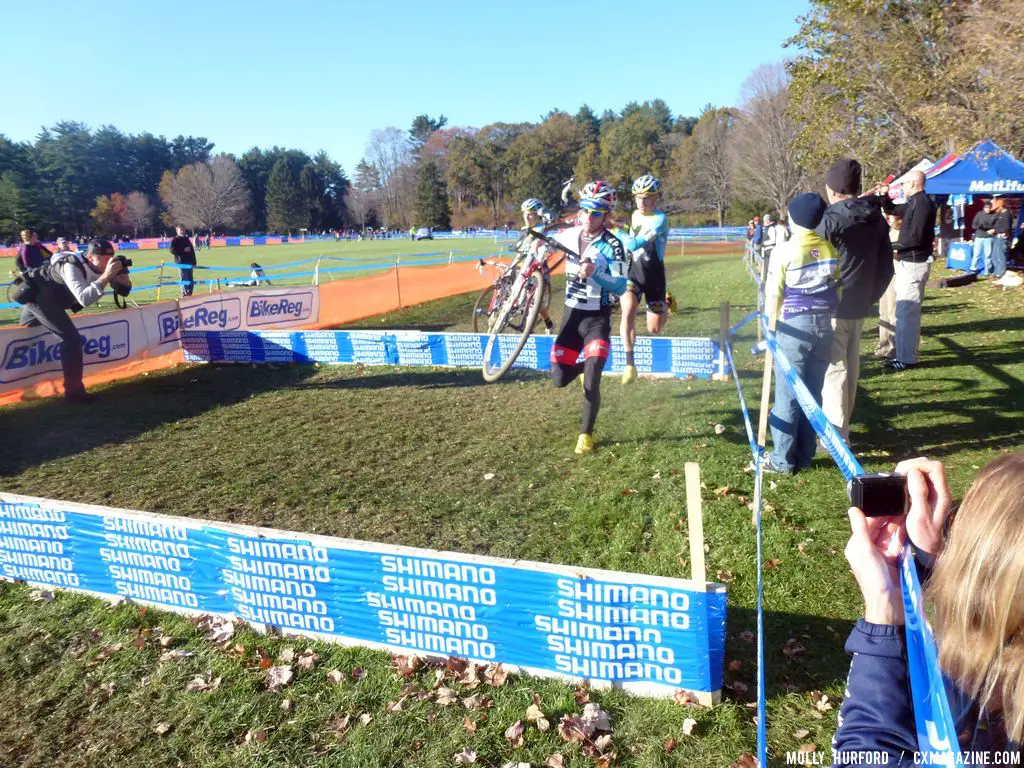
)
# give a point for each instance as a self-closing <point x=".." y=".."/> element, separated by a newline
<point x="679" y="357"/>
<point x="936" y="730"/>
<point x="649" y="635"/>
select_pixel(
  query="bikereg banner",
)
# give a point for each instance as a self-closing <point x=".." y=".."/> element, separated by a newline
<point x="646" y="634"/>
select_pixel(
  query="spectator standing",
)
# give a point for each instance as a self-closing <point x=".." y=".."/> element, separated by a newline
<point x="801" y="293"/>
<point x="856" y="229"/>
<point x="983" y="225"/>
<point x="886" y="346"/>
<point x="757" y="238"/>
<point x="183" y="253"/>
<point x="1002" y="228"/>
<point x="913" y="265"/>
<point x="970" y="573"/>
<point x="769" y="237"/>
<point x="31" y="253"/>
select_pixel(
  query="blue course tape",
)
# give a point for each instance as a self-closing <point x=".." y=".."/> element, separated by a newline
<point x="936" y="730"/>
<point x="741" y="323"/>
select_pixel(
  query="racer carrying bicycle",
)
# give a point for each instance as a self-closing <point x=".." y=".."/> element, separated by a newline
<point x="591" y="281"/>
<point x="648" y="235"/>
<point x="534" y="215"/>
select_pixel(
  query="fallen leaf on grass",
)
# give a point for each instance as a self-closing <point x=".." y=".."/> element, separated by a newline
<point x="40" y="595"/>
<point x="656" y="475"/>
<point x="446" y="696"/>
<point x="358" y="674"/>
<point x="465" y="757"/>
<point x="161" y="728"/>
<point x="287" y="656"/>
<point x="802" y="733"/>
<point x="792" y="649"/>
<point x="515" y="765"/>
<point x="286" y="705"/>
<point x="265" y="660"/>
<point x="203" y="683"/>
<point x="628" y="491"/>
<point x="168" y="656"/>
<point x="724" y="576"/>
<point x="278" y="677"/>
<point x="258" y="736"/>
<point x="335" y="676"/>
<point x="489" y="476"/>
<point x="139" y="642"/>
<point x="805" y="748"/>
<point x="405" y="666"/>
<point x="821" y="701"/>
<point x="469" y="724"/>
<point x="689" y="724"/>
<point x="603" y="742"/>
<point x="365" y="718"/>
<point x="747" y="636"/>
<point x="555" y="761"/>
<point x="604" y="761"/>
<point x="572" y="729"/>
<point x="476" y="701"/>
<point x="307" y="659"/>
<point x="735" y="666"/>
<point x="595" y="718"/>
<point x="746" y="760"/>
<point x="685" y="699"/>
<point x="340" y="725"/>
<point x="581" y="694"/>
<point x="105" y="653"/>
<point x="802" y="547"/>
<point x="670" y="745"/>
<point x="724" y="491"/>
<point x="535" y="715"/>
<point x="738" y="686"/>
<point x="216" y="629"/>
<point x="719" y="429"/>
<point x="396" y="706"/>
<point x="772" y="564"/>
<point x="495" y="675"/>
<point x="514" y="733"/>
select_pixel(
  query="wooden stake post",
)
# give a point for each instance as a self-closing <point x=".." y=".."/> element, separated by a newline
<point x="766" y="390"/>
<point x="723" y="339"/>
<point x="695" y="528"/>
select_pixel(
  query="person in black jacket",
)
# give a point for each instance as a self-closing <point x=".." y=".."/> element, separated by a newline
<point x="982" y="225"/>
<point x="914" y="257"/>
<point x="974" y="597"/>
<point x="1002" y="226"/>
<point x="184" y="253"/>
<point x="856" y="228"/>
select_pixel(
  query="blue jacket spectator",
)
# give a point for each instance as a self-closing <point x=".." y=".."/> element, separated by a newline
<point x="972" y="580"/>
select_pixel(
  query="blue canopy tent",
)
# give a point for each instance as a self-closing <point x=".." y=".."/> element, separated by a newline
<point x="987" y="169"/>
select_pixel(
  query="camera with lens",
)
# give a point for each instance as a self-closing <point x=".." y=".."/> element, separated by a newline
<point x="125" y="262"/>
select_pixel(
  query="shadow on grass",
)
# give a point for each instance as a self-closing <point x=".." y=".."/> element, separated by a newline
<point x="801" y="652"/>
<point x="129" y="409"/>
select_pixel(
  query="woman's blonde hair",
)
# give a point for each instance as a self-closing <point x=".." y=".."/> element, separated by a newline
<point x="26" y="235"/>
<point x="977" y="589"/>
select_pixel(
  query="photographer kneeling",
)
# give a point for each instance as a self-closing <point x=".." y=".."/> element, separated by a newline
<point x="972" y="572"/>
<point x="71" y="282"/>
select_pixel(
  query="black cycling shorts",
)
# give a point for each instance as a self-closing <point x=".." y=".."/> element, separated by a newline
<point x="583" y="330"/>
<point x="647" y="278"/>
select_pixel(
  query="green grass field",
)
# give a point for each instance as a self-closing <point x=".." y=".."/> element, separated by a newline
<point x="349" y="259"/>
<point x="399" y="456"/>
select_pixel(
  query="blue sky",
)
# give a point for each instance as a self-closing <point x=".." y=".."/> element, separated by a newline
<point x="322" y="75"/>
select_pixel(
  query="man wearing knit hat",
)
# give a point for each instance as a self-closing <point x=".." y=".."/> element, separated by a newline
<point x="801" y="294"/>
<point x="857" y="230"/>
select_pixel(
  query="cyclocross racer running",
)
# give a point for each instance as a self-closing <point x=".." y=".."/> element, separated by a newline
<point x="647" y="241"/>
<point x="591" y="280"/>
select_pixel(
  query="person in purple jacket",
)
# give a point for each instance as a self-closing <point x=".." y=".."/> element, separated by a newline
<point x="973" y="573"/>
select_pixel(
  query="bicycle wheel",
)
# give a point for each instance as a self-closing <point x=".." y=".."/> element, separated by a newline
<point x="482" y="308"/>
<point x="516" y="312"/>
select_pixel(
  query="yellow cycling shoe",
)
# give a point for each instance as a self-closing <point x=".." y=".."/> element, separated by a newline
<point x="670" y="300"/>
<point x="629" y="374"/>
<point x="585" y="444"/>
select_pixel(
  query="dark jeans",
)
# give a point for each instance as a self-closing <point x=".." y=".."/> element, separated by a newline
<point x="186" y="278"/>
<point x="48" y="311"/>
<point x="806" y="341"/>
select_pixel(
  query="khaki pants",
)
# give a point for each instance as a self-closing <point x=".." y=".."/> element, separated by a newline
<point x="886" y="346"/>
<point x="910" y="280"/>
<point x="840" y="387"/>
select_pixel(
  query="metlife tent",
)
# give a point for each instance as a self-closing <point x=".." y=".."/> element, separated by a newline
<point x="987" y="169"/>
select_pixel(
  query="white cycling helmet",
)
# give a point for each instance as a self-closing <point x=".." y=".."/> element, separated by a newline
<point x="646" y="185"/>
<point x="532" y="204"/>
<point x="598" y="194"/>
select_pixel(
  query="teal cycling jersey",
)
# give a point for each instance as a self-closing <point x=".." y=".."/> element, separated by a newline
<point x="609" y="278"/>
<point x="648" y="233"/>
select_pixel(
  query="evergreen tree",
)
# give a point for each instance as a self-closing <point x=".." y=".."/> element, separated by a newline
<point x="286" y="209"/>
<point x="432" y="209"/>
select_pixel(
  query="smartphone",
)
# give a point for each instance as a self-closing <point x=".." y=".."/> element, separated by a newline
<point x="881" y="495"/>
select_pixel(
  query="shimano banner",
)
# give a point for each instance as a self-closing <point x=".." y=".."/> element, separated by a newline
<point x="654" y="355"/>
<point x="646" y="634"/>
